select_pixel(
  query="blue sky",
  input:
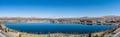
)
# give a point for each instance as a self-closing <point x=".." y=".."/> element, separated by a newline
<point x="59" y="8"/>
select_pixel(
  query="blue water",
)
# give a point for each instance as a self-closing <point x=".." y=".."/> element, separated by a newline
<point x="54" y="28"/>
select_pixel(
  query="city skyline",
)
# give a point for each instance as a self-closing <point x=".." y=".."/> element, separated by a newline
<point x="58" y="8"/>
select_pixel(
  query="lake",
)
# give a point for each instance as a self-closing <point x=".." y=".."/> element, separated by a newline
<point x="45" y="28"/>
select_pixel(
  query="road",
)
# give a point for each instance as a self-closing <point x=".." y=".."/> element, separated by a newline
<point x="116" y="33"/>
<point x="4" y="34"/>
<point x="1" y="35"/>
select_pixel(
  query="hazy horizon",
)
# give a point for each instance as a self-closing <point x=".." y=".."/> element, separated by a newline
<point x="59" y="8"/>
